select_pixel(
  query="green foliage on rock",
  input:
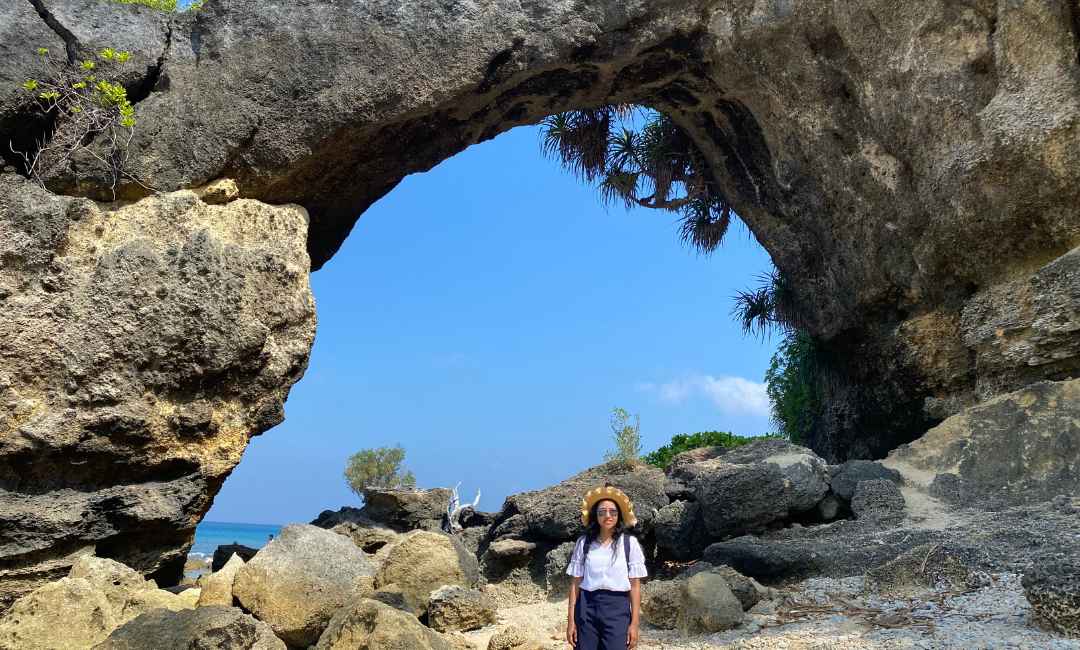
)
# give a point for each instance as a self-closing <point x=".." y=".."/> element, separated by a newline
<point x="160" y="5"/>
<point x="686" y="441"/>
<point x="87" y="107"/>
<point x="626" y="432"/>
<point x="793" y="385"/>
<point x="378" y="468"/>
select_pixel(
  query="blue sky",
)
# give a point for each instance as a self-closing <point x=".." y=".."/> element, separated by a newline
<point x="487" y="315"/>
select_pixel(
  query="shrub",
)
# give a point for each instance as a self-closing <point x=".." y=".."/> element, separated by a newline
<point x="626" y="430"/>
<point x="792" y="383"/>
<point x="87" y="107"/>
<point x="378" y="468"/>
<point x="685" y="442"/>
<point x="160" y="5"/>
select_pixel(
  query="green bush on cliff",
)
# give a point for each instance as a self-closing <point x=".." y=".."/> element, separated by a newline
<point x="378" y="468"/>
<point x="87" y="107"/>
<point x="792" y="383"/>
<point x="163" y="5"/>
<point x="686" y="441"/>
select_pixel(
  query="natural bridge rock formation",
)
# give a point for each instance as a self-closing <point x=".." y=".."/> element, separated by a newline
<point x="914" y="166"/>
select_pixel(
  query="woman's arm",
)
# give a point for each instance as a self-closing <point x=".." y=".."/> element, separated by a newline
<point x="571" y="627"/>
<point x="635" y="612"/>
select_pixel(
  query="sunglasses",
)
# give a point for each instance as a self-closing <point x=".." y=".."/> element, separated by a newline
<point x="607" y="513"/>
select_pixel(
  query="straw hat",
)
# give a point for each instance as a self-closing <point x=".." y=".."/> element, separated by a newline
<point x="613" y="494"/>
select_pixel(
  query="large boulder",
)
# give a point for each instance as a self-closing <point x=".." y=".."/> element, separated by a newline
<point x="844" y="478"/>
<point x="670" y="604"/>
<point x="455" y="608"/>
<point x="554" y="513"/>
<point x="424" y="561"/>
<point x="708" y="604"/>
<point x="68" y="613"/>
<point x="406" y="509"/>
<point x="205" y="628"/>
<point x="365" y="624"/>
<point x="142" y="345"/>
<point x="1017" y="448"/>
<point x="297" y="581"/>
<point x="217" y="588"/>
<point x="749" y="487"/>
<point x="83" y="608"/>
<point x="1053" y="589"/>
<point x="680" y="533"/>
<point x="365" y="532"/>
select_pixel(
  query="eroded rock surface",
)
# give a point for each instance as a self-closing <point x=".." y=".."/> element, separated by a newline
<point x="905" y="163"/>
<point x="915" y="167"/>
<point x="142" y="346"/>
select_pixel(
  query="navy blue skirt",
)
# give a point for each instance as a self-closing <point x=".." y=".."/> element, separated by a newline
<point x="602" y="618"/>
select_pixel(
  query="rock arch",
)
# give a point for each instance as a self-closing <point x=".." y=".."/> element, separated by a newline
<point x="913" y="165"/>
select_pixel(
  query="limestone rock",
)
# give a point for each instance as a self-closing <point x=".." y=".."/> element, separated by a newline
<point x="708" y="604"/>
<point x="217" y="588"/>
<point x="365" y="624"/>
<point x="368" y="534"/>
<point x="297" y="581"/>
<point x="878" y="499"/>
<point x="661" y="603"/>
<point x="1053" y="589"/>
<point x="424" y="561"/>
<point x="512" y="638"/>
<point x="405" y="509"/>
<point x="207" y="628"/>
<point x="1006" y="451"/>
<point x="680" y="532"/>
<point x="142" y="345"/>
<point x="217" y="192"/>
<point x="844" y="478"/>
<point x="746" y="589"/>
<point x="83" y="608"/>
<point x="68" y="613"/>
<point x="748" y="487"/>
<point x="393" y="596"/>
<point x="455" y="608"/>
<point x="554" y="513"/>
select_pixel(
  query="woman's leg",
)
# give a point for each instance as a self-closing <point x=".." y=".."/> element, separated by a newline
<point x="588" y="636"/>
<point x="615" y="613"/>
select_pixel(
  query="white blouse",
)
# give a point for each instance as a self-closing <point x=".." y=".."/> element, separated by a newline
<point x="603" y="570"/>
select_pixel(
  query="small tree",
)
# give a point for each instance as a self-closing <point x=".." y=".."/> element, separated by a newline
<point x="625" y="429"/>
<point x="378" y="468"/>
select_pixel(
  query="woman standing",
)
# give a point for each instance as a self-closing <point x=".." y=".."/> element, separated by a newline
<point x="606" y="568"/>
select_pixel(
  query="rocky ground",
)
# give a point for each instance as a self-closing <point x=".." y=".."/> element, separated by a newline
<point x="836" y="614"/>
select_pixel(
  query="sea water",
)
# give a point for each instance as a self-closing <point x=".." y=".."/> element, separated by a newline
<point x="211" y="534"/>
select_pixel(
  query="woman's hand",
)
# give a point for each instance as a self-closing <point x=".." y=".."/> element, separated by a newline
<point x="632" y="636"/>
<point x="571" y="634"/>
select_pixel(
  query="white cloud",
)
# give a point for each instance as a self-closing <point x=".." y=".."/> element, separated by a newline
<point x="733" y="395"/>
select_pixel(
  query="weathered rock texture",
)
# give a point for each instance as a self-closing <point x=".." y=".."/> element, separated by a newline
<point x="297" y="581"/>
<point x="141" y="347"/>
<point x="82" y="609"/>
<point x="906" y="163"/>
<point x="1021" y="447"/>
<point x="206" y="628"/>
<point x="913" y="166"/>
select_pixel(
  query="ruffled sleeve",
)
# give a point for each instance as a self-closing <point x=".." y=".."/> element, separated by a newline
<point x="636" y="567"/>
<point x="576" y="567"/>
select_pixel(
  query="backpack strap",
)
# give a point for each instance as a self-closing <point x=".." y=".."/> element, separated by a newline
<point x="626" y="549"/>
